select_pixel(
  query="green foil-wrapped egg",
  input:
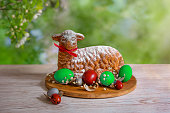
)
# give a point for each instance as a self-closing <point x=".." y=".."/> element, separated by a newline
<point x="107" y="78"/>
<point x="63" y="76"/>
<point x="126" y="71"/>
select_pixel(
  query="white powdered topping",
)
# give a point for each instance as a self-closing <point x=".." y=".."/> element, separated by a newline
<point x="75" y="61"/>
<point x="83" y="59"/>
<point x="86" y="56"/>
<point x="72" y="66"/>
<point x="94" y="51"/>
<point x="78" y="74"/>
<point x="109" y="68"/>
<point x="107" y="51"/>
<point x="94" y="54"/>
<point x="83" y="70"/>
<point x="90" y="54"/>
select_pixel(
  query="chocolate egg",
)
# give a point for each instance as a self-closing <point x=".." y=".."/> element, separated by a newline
<point x="107" y="78"/>
<point x="125" y="71"/>
<point x="52" y="91"/>
<point x="63" y="76"/>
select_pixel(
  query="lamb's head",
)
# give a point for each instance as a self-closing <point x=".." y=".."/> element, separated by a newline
<point x="68" y="39"/>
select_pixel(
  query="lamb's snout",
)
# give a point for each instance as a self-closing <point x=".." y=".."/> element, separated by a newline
<point x="70" y="45"/>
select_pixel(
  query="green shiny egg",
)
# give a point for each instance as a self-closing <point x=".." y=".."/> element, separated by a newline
<point x="63" y="76"/>
<point x="126" y="71"/>
<point x="107" y="78"/>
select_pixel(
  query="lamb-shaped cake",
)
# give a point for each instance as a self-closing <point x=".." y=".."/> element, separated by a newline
<point x="97" y="58"/>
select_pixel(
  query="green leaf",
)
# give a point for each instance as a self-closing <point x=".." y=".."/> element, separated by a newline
<point x="57" y="4"/>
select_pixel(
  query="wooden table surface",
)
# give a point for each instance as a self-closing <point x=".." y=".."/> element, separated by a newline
<point x="22" y="88"/>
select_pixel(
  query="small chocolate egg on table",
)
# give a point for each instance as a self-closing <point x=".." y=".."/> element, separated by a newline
<point x="107" y="78"/>
<point x="63" y="76"/>
<point x="52" y="91"/>
<point x="125" y="71"/>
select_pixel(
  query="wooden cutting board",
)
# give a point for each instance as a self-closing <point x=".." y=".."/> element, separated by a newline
<point x="80" y="92"/>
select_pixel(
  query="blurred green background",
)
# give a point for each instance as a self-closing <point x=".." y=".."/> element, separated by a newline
<point x="139" y="29"/>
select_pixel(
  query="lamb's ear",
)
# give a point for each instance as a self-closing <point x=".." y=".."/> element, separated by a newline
<point x="57" y="37"/>
<point x="79" y="36"/>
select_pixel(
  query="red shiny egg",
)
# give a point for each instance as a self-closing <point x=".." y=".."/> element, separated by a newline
<point x="118" y="85"/>
<point x="89" y="77"/>
<point x="55" y="99"/>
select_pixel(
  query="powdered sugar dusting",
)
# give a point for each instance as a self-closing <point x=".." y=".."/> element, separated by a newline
<point x="90" y="55"/>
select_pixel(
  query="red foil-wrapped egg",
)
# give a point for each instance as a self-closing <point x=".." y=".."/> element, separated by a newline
<point x="89" y="77"/>
<point x="118" y="85"/>
<point x="55" y="99"/>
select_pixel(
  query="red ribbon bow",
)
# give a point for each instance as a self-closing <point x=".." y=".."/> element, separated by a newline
<point x="63" y="49"/>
